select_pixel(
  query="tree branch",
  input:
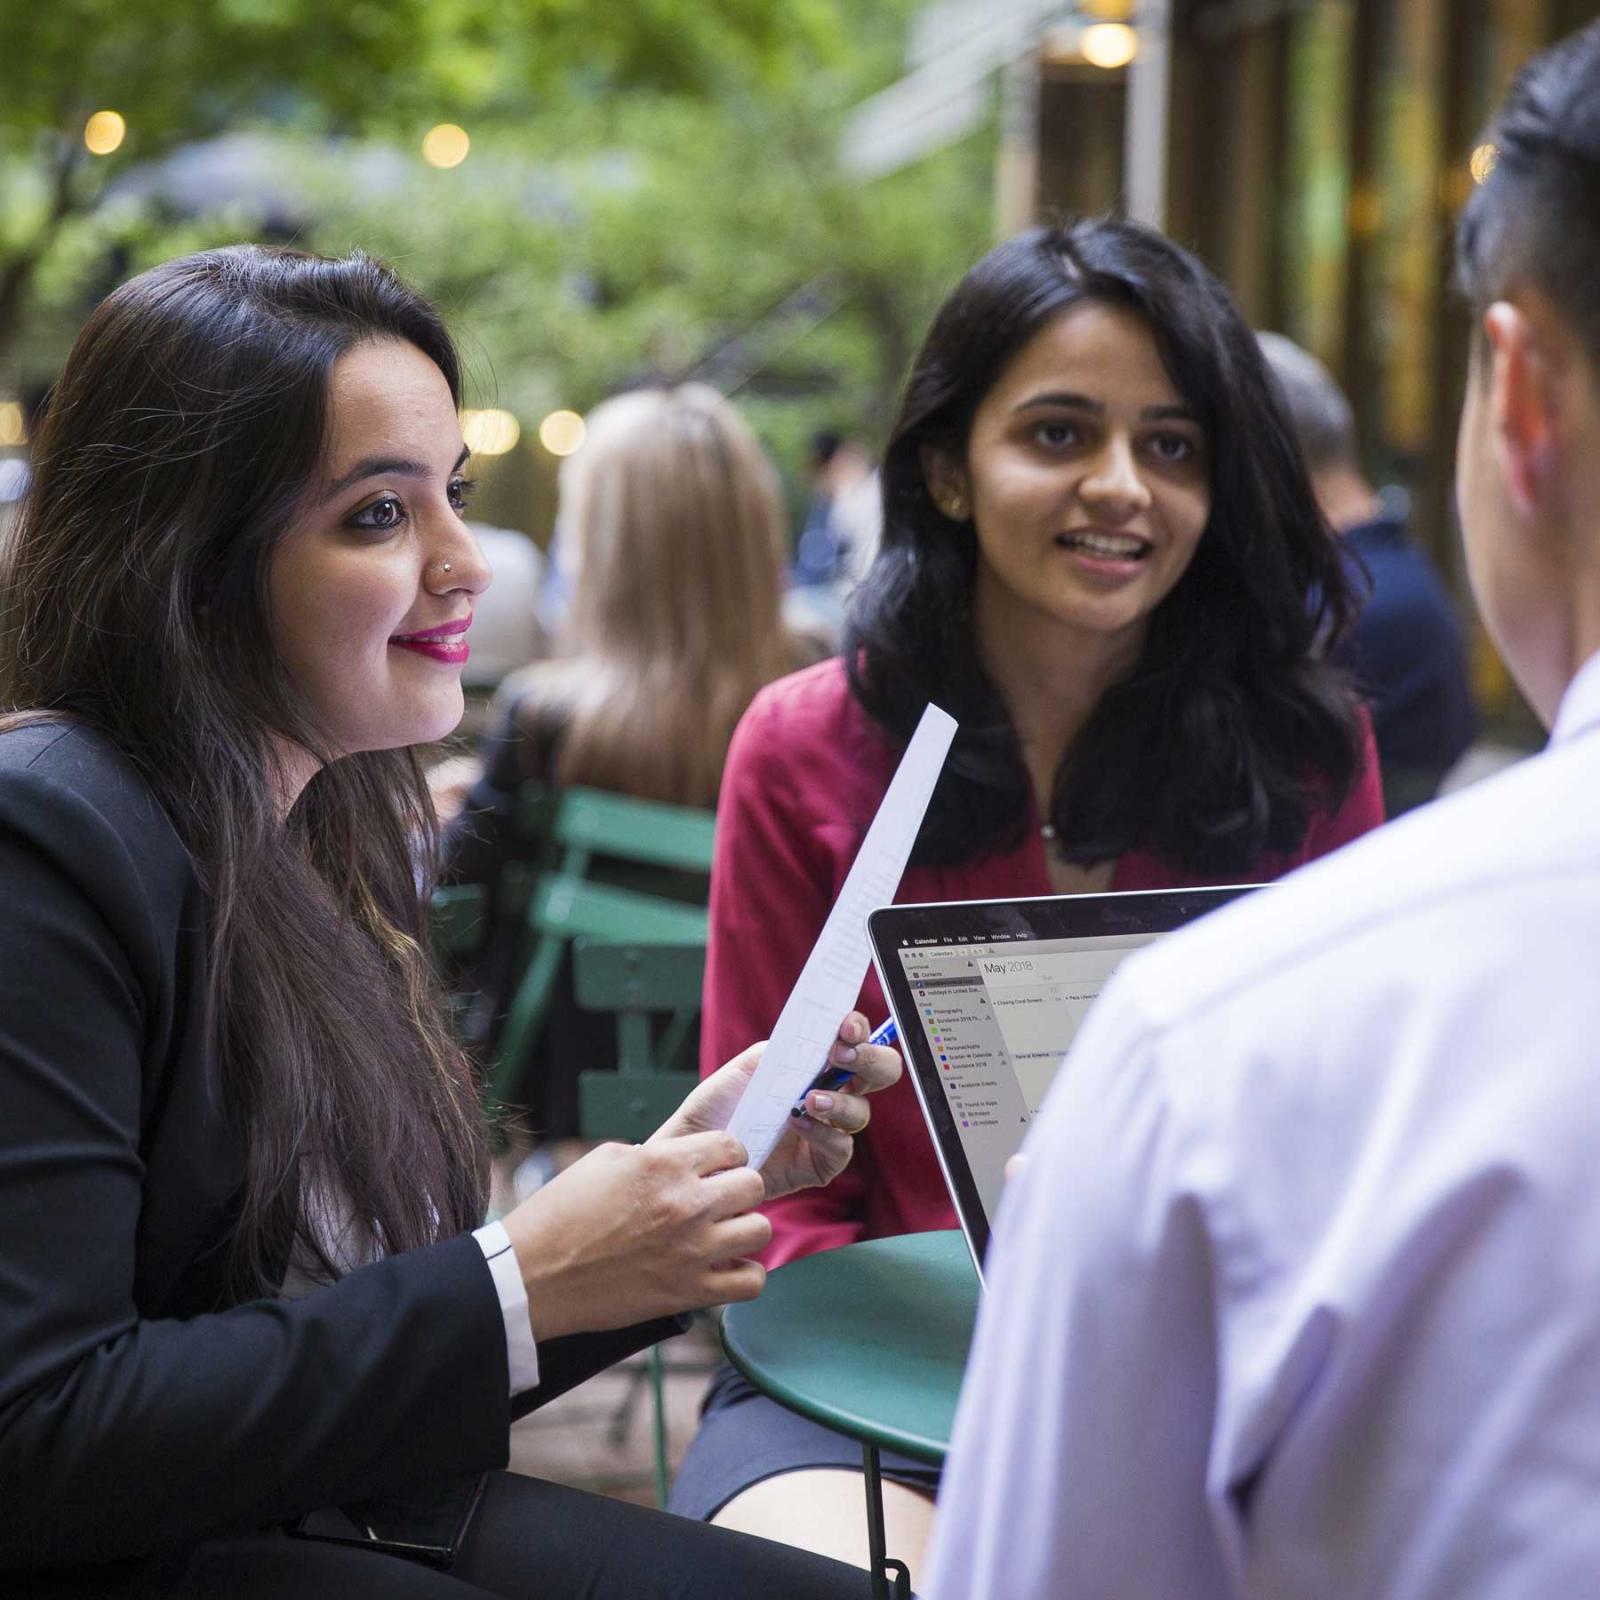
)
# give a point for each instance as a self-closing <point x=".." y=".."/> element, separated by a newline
<point x="17" y="272"/>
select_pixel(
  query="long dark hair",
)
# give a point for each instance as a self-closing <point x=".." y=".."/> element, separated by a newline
<point x="1205" y="752"/>
<point x="186" y="428"/>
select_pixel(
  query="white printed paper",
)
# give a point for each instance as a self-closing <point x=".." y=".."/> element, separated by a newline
<point x="834" y="971"/>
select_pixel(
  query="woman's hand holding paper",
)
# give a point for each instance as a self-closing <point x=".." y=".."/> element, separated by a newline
<point x="817" y="1147"/>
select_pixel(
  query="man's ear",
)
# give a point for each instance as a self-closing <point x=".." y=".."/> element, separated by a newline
<point x="947" y="483"/>
<point x="1523" y="399"/>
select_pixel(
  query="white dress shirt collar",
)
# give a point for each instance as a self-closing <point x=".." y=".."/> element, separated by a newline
<point x="1579" y="711"/>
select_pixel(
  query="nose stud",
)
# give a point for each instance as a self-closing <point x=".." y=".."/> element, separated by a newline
<point x="444" y="566"/>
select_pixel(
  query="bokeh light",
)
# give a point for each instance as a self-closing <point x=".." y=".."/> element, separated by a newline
<point x="12" y="430"/>
<point x="104" y="132"/>
<point x="1109" y="44"/>
<point x="562" y="432"/>
<point x="1483" y="161"/>
<point x="489" y="433"/>
<point x="445" y="145"/>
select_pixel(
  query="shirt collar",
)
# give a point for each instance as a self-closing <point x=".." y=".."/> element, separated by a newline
<point x="1579" y="711"/>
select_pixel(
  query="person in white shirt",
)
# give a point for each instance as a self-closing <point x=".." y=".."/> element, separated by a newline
<point x="1297" y="1293"/>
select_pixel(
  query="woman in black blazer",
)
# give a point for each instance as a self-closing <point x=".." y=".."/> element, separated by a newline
<point x="241" y="1162"/>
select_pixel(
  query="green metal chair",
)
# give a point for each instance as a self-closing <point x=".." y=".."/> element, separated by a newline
<point x="459" y="918"/>
<point x="458" y="924"/>
<point x="653" y="858"/>
<point x="622" y="883"/>
<point x="636" y="982"/>
<point x="463" y="917"/>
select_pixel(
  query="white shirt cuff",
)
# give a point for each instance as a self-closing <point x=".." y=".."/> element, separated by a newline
<point x="522" y="1354"/>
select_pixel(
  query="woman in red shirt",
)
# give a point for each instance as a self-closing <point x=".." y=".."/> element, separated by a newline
<point x="1102" y="554"/>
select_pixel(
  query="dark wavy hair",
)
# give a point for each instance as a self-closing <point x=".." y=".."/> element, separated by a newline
<point x="188" y="425"/>
<point x="1535" y="218"/>
<point x="1231" y="726"/>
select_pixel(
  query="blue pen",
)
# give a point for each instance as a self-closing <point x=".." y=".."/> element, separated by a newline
<point x="832" y="1077"/>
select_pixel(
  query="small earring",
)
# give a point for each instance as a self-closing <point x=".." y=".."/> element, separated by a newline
<point x="955" y="508"/>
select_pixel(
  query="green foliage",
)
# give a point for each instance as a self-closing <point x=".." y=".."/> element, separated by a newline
<point x="653" y="186"/>
<point x="658" y="243"/>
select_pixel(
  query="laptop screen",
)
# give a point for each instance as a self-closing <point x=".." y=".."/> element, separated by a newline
<point x="988" y="996"/>
<point x="998" y="1018"/>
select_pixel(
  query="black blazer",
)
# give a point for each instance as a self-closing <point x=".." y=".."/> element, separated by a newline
<point x="141" y="1408"/>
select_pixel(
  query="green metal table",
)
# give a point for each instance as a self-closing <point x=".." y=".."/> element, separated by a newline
<point x="870" y="1340"/>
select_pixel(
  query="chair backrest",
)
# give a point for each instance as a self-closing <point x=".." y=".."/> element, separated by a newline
<point x="459" y="918"/>
<point x="648" y="832"/>
<point x="571" y="907"/>
<point x="628" y="978"/>
<point x="464" y="916"/>
<point x="653" y="853"/>
<point x="635" y="982"/>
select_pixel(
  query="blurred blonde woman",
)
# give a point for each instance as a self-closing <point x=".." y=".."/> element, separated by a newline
<point x="676" y="558"/>
<point x="673" y="536"/>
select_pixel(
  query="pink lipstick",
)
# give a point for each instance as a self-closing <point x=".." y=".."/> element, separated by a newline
<point x="446" y="643"/>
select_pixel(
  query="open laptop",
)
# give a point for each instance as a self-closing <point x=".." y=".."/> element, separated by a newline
<point x="987" y="996"/>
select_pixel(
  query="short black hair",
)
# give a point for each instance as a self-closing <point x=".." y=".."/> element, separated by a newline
<point x="1535" y="217"/>
<point x="1232" y="727"/>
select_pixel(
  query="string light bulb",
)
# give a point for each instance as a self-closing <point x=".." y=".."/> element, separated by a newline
<point x="562" y="433"/>
<point x="104" y="132"/>
<point x="445" y="145"/>
<point x="1109" y="45"/>
<point x="489" y="433"/>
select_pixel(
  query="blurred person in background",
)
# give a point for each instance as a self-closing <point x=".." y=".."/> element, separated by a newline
<point x="506" y="631"/>
<point x="1406" y="651"/>
<point x="1295" y="1296"/>
<point x="1101" y="553"/>
<point x="840" y="537"/>
<point x="845" y="517"/>
<point x="673" y="535"/>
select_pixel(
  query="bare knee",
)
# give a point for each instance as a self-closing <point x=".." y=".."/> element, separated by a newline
<point x="825" y="1510"/>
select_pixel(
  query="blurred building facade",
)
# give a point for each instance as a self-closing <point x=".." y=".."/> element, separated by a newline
<point x="1319" y="155"/>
